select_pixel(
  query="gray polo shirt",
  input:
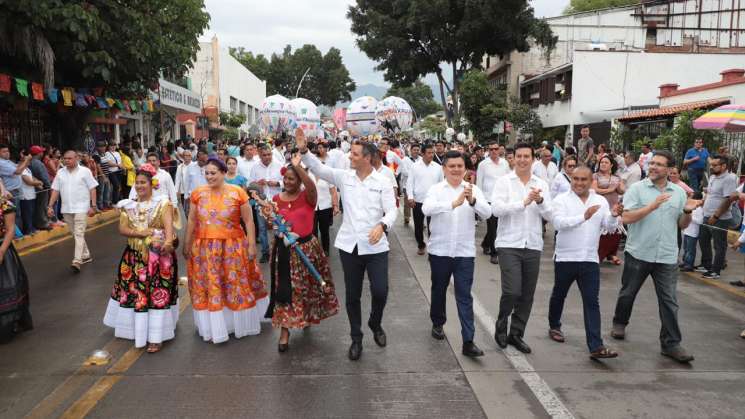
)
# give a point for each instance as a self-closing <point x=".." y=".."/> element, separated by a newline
<point x="720" y="188"/>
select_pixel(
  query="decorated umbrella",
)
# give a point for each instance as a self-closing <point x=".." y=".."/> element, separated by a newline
<point x="727" y="118"/>
<point x="394" y="114"/>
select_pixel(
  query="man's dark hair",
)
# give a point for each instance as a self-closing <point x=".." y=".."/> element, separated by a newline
<point x="632" y="154"/>
<point x="415" y="145"/>
<point x="509" y="150"/>
<point x="264" y="147"/>
<point x="2" y="146"/>
<point x="667" y="155"/>
<point x="368" y="148"/>
<point x="453" y="154"/>
<point x="716" y="156"/>
<point x="584" y="126"/>
<point x="426" y="146"/>
<point x="440" y="142"/>
<point x="202" y="150"/>
<point x="518" y="146"/>
<point x="152" y="154"/>
<point x="569" y="158"/>
<point x="648" y="145"/>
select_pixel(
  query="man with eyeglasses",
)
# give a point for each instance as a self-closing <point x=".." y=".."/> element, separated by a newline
<point x="562" y="182"/>
<point x="654" y="210"/>
<point x="489" y="170"/>
<point x="717" y="216"/>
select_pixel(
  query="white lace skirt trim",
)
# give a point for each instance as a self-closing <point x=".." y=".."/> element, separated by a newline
<point x="215" y="326"/>
<point x="152" y="326"/>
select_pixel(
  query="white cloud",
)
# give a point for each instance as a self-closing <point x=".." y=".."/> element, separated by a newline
<point x="267" y="26"/>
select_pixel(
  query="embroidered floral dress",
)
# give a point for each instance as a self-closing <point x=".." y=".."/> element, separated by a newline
<point x="14" y="299"/>
<point x="226" y="288"/>
<point x="144" y="300"/>
<point x="298" y="299"/>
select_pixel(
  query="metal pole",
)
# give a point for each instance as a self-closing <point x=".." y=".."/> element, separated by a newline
<point x="301" y="81"/>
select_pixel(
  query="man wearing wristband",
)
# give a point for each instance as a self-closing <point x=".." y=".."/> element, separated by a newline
<point x="654" y="209"/>
<point x="369" y="211"/>
<point x="76" y="187"/>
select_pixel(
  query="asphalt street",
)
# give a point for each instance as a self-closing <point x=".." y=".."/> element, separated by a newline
<point x="43" y="373"/>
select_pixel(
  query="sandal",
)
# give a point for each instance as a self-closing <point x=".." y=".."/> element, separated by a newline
<point x="615" y="260"/>
<point x="154" y="347"/>
<point x="556" y="335"/>
<point x="603" y="353"/>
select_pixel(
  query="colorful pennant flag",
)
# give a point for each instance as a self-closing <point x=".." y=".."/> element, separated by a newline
<point x="133" y="105"/>
<point x="22" y="87"/>
<point x="4" y="83"/>
<point x="101" y="103"/>
<point x="37" y="91"/>
<point x="110" y="101"/>
<point x="52" y="94"/>
<point x="80" y="100"/>
<point x="67" y="96"/>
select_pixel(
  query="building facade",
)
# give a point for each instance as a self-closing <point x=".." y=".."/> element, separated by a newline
<point x="605" y="61"/>
<point x="225" y="85"/>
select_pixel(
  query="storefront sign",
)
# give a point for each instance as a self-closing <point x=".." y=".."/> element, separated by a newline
<point x="177" y="97"/>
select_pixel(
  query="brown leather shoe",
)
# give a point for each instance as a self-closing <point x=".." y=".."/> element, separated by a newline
<point x="420" y="252"/>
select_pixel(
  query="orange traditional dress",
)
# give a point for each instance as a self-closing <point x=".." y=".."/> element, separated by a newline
<point x="226" y="288"/>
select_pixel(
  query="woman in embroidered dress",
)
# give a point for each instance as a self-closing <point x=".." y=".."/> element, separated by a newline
<point x="297" y="299"/>
<point x="144" y="300"/>
<point x="225" y="284"/>
<point x="606" y="183"/>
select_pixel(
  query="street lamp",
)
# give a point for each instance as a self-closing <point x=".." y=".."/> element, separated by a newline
<point x="301" y="82"/>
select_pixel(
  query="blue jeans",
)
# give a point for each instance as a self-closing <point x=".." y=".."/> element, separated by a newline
<point x="19" y="211"/>
<point x="689" y="251"/>
<point x="461" y="269"/>
<point x="707" y="236"/>
<point x="665" y="277"/>
<point x="27" y="216"/>
<point x="587" y="275"/>
<point x="694" y="178"/>
<point x="263" y="239"/>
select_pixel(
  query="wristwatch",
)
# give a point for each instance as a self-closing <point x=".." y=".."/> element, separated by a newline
<point x="385" y="227"/>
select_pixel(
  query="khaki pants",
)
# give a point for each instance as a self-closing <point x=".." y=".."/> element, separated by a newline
<point x="407" y="208"/>
<point x="77" y="224"/>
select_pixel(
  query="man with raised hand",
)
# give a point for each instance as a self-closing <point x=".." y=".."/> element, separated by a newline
<point x="369" y="211"/>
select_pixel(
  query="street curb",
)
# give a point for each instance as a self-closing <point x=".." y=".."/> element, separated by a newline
<point x="45" y="238"/>
<point x="739" y="292"/>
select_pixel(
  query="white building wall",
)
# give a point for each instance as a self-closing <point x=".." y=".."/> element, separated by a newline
<point x="736" y="93"/>
<point x="555" y="114"/>
<point x="603" y="82"/>
<point x="238" y="82"/>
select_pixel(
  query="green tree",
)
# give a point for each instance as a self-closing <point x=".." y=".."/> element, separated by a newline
<point x="419" y="96"/>
<point x="482" y="104"/>
<point x="578" y="6"/>
<point x="413" y="38"/>
<point x="232" y="120"/>
<point x="121" y="46"/>
<point x="524" y="118"/>
<point x="433" y="125"/>
<point x="327" y="80"/>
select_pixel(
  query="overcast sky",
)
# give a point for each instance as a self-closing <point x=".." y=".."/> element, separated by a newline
<point x="267" y="26"/>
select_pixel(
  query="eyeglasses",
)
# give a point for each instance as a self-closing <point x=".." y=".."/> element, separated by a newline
<point x="571" y="166"/>
<point x="493" y="149"/>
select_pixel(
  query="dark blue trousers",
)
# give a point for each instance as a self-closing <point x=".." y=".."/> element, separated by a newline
<point x="461" y="269"/>
<point x="587" y="275"/>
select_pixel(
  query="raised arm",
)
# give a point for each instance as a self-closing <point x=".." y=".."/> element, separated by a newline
<point x="311" y="194"/>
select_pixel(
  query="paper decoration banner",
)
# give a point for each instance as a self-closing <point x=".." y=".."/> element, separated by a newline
<point x="4" y="83"/>
<point x="80" y="100"/>
<point x="110" y="101"/>
<point x="52" y="94"/>
<point x="67" y="96"/>
<point x="101" y="103"/>
<point x="22" y="87"/>
<point x="133" y="105"/>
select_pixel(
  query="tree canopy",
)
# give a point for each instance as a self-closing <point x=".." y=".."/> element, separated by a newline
<point x="483" y="105"/>
<point x="578" y="6"/>
<point x="413" y="38"/>
<point x="419" y="96"/>
<point x="327" y="80"/>
<point x="102" y="43"/>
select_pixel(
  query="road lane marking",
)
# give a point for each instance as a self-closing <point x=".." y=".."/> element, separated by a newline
<point x="551" y="403"/>
<point x="541" y="390"/>
<point x="714" y="283"/>
<point x="83" y="405"/>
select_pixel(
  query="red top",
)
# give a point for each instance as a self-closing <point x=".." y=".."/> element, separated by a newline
<point x="299" y="213"/>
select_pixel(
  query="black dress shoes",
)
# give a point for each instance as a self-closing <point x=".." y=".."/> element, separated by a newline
<point x="355" y="351"/>
<point x="471" y="350"/>
<point x="438" y="333"/>
<point x="283" y="347"/>
<point x="500" y="335"/>
<point x="379" y="337"/>
<point x="519" y="344"/>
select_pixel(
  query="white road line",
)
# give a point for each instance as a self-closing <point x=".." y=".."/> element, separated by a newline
<point x="550" y="401"/>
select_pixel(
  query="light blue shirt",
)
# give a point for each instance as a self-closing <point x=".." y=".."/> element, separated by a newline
<point x="194" y="178"/>
<point x="8" y="174"/>
<point x="654" y="238"/>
